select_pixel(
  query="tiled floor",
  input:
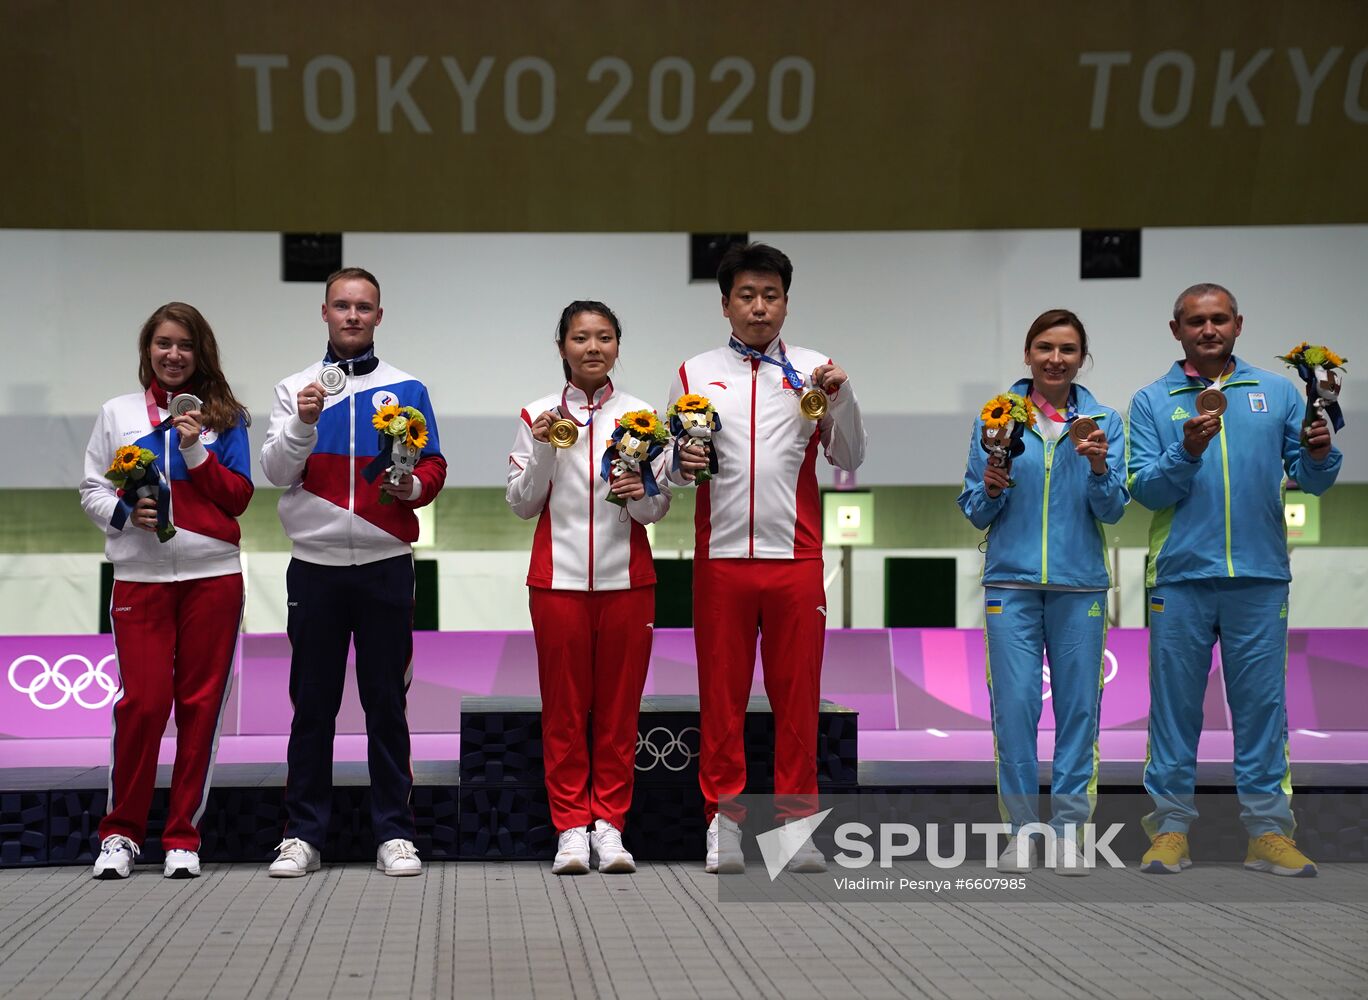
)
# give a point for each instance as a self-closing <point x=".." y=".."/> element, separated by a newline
<point x="515" y="930"/>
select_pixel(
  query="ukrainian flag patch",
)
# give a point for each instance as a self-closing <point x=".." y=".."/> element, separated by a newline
<point x="992" y="606"/>
<point x="1156" y="604"/>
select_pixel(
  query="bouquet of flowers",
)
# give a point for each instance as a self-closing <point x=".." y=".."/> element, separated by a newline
<point x="134" y="472"/>
<point x="636" y="440"/>
<point x="1005" y="418"/>
<point x="693" y="419"/>
<point x="403" y="435"/>
<point x="1319" y="367"/>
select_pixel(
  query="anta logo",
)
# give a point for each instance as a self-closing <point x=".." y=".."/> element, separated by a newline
<point x="129" y="607"/>
<point x="1180" y="414"/>
<point x="1095" y="611"/>
<point x="822" y="609"/>
<point x="720" y="385"/>
<point x="1282" y="612"/>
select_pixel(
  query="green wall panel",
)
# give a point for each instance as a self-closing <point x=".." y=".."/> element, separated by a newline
<point x="477" y="519"/>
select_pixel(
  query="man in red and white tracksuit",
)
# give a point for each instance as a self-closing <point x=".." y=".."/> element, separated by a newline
<point x="758" y="540"/>
<point x="350" y="578"/>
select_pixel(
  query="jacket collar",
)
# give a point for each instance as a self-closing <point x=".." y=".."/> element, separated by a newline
<point x="363" y="364"/>
<point x="1178" y="379"/>
<point x="1084" y="401"/>
<point x="575" y="396"/>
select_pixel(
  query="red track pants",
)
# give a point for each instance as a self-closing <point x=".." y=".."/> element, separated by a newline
<point x="785" y="601"/>
<point x="593" y="648"/>
<point x="175" y="645"/>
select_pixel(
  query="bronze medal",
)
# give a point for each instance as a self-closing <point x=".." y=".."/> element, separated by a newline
<point x="1081" y="428"/>
<point x="1211" y="402"/>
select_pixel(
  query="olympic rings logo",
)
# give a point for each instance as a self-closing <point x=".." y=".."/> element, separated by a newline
<point x="50" y="675"/>
<point x="1107" y="677"/>
<point x="671" y="753"/>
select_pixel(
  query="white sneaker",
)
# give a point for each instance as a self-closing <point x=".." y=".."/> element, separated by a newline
<point x="724" y="848"/>
<point x="115" y="859"/>
<point x="572" y="852"/>
<point x="296" y="858"/>
<point x="1069" y="859"/>
<point x="398" y="857"/>
<point x="605" y="841"/>
<point x="181" y="864"/>
<point x="1008" y="861"/>
<point x="807" y="859"/>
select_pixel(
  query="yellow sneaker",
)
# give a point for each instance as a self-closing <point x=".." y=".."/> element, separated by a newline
<point x="1168" y="854"/>
<point x="1278" y="854"/>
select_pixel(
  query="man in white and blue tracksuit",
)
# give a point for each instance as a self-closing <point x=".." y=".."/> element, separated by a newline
<point x="1218" y="569"/>
<point x="1045" y="580"/>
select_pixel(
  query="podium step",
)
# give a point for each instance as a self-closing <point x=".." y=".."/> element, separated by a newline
<point x="503" y="809"/>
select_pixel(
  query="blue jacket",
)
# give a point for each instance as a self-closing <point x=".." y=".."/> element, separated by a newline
<point x="1047" y="529"/>
<point x="1220" y="515"/>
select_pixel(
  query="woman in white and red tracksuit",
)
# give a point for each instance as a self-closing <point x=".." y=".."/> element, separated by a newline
<point x="592" y="591"/>
<point x="758" y="539"/>
<point x="177" y="605"/>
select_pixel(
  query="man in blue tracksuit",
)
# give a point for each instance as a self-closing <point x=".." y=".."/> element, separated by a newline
<point x="1045" y="583"/>
<point x="1218" y="569"/>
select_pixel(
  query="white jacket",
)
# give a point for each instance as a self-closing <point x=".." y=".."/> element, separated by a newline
<point x="331" y="514"/>
<point x="210" y="485"/>
<point x="582" y="541"/>
<point x="764" y="502"/>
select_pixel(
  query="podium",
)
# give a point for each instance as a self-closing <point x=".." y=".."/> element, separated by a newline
<point x="503" y="811"/>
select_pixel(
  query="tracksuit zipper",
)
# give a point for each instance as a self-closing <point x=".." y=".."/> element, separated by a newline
<point x="1225" y="481"/>
<point x="591" y="500"/>
<point x="170" y="513"/>
<point x="1045" y="515"/>
<point x="1225" y="458"/>
<point x="755" y="367"/>
<point x="351" y="465"/>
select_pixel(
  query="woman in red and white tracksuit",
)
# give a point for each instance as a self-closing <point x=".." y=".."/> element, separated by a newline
<point x="177" y="604"/>
<point x="592" y="591"/>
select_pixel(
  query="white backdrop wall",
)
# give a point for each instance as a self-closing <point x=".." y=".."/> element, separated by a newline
<point x="928" y="324"/>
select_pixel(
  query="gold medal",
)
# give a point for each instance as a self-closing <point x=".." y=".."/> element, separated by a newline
<point x="563" y="433"/>
<point x="813" y="404"/>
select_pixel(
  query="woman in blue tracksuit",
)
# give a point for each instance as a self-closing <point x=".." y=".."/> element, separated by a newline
<point x="1045" y="581"/>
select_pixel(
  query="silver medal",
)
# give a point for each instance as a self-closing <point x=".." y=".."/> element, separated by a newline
<point x="332" y="378"/>
<point x="184" y="403"/>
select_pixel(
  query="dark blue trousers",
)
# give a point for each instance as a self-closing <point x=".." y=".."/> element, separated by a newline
<point x="329" y="607"/>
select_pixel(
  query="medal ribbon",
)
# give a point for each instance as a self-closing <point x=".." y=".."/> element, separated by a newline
<point x="795" y="380"/>
<point x="1047" y="408"/>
